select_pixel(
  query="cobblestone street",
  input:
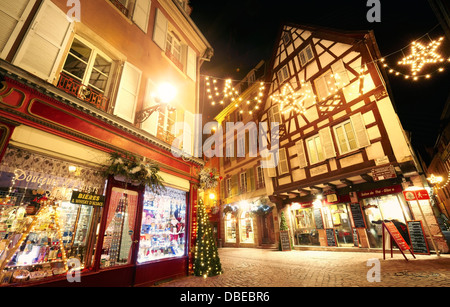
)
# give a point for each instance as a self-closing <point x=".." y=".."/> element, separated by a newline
<point x="270" y="268"/>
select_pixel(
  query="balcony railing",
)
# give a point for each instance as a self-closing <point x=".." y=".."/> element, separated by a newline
<point x="83" y="92"/>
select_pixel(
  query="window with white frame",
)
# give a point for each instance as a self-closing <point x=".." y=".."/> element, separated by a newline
<point x="173" y="48"/>
<point x="180" y="53"/>
<point x="283" y="74"/>
<point x="315" y="149"/>
<point x="345" y="137"/>
<point x="166" y="120"/>
<point x="306" y="55"/>
<point x="88" y="65"/>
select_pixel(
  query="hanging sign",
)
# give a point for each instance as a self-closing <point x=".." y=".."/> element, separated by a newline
<point x="416" y="195"/>
<point x="88" y="199"/>
<point x="383" y="173"/>
<point x="418" y="241"/>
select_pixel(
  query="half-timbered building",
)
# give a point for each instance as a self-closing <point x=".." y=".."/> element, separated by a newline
<point x="343" y="158"/>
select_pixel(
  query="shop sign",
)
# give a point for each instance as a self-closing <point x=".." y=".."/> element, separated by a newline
<point x="395" y="234"/>
<point x="416" y="195"/>
<point x="88" y="199"/>
<point x="383" y="173"/>
<point x="380" y="192"/>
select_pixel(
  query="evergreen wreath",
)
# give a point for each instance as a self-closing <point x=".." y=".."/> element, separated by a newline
<point x="134" y="170"/>
<point x="208" y="178"/>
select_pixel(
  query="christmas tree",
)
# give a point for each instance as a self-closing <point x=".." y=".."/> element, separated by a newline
<point x="206" y="258"/>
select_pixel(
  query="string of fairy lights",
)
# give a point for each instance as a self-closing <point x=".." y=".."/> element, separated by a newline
<point x="421" y="55"/>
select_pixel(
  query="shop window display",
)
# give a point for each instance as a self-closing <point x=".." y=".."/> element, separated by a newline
<point x="336" y="216"/>
<point x="247" y="234"/>
<point x="41" y="231"/>
<point x="379" y="209"/>
<point x="305" y="232"/>
<point x="230" y="227"/>
<point x="163" y="227"/>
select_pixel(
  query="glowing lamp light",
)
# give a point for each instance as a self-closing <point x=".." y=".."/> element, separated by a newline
<point x="435" y="179"/>
<point x="166" y="92"/>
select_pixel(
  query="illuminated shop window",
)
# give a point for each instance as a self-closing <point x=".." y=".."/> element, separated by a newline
<point x="246" y="230"/>
<point x="163" y="230"/>
<point x="230" y="227"/>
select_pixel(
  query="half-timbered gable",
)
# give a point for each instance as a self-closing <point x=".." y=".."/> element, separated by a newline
<point x="337" y="122"/>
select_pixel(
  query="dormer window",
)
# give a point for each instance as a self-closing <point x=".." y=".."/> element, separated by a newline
<point x="283" y="74"/>
<point x="286" y="38"/>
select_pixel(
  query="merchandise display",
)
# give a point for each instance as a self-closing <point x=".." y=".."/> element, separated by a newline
<point x="42" y="233"/>
<point x="163" y="225"/>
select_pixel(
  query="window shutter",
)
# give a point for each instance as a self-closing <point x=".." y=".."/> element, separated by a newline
<point x="250" y="180"/>
<point x="234" y="185"/>
<point x="141" y="14"/>
<point x="338" y="69"/>
<point x="160" y="30"/>
<point x="151" y="124"/>
<point x="128" y="92"/>
<point x="301" y="156"/>
<point x="360" y="130"/>
<point x="41" y="51"/>
<point x="283" y="166"/>
<point x="191" y="64"/>
<point x="13" y="14"/>
<point x="188" y="132"/>
<point x="321" y="87"/>
<point x="271" y="172"/>
<point x="327" y="143"/>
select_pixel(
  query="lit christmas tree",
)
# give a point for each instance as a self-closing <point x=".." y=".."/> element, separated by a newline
<point x="206" y="258"/>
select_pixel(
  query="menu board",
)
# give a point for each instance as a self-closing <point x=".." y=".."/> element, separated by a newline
<point x="418" y="241"/>
<point x="331" y="239"/>
<point x="318" y="218"/>
<point x="285" y="242"/>
<point x="395" y="234"/>
<point x="357" y="214"/>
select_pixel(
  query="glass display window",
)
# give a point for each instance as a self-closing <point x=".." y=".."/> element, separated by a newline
<point x="163" y="227"/>
<point x="230" y="227"/>
<point x="41" y="231"/>
<point x="305" y="232"/>
<point x="120" y="222"/>
<point x="246" y="229"/>
<point x="336" y="216"/>
<point x="377" y="209"/>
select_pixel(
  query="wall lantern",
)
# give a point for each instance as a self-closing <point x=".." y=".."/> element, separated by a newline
<point x="165" y="93"/>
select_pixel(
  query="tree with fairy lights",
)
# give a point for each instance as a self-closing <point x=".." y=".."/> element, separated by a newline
<point x="206" y="258"/>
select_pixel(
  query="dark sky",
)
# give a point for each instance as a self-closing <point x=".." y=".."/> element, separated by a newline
<point x="244" y="32"/>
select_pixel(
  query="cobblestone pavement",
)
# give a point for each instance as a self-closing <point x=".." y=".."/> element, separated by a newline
<point x="245" y="267"/>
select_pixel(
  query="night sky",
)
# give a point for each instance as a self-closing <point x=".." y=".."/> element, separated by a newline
<point x="244" y="32"/>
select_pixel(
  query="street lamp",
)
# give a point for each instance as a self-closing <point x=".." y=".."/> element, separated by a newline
<point x="165" y="93"/>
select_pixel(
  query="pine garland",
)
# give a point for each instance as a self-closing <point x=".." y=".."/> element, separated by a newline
<point x="135" y="171"/>
<point x="206" y="258"/>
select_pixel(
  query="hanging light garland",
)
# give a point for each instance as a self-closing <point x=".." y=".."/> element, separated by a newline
<point x="291" y="101"/>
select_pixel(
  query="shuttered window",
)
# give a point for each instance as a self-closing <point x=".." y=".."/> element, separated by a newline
<point x="340" y="74"/>
<point x="315" y="149"/>
<point x="301" y="156"/>
<point x="351" y="134"/>
<point x="141" y="14"/>
<point x="327" y="143"/>
<point x="13" y="14"/>
<point x="160" y="29"/>
<point x="41" y="51"/>
<point x="127" y="95"/>
<point x="283" y="166"/>
<point x="188" y="132"/>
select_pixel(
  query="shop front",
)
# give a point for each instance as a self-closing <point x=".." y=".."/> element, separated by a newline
<point x="349" y="220"/>
<point x="63" y="222"/>
<point x="239" y="226"/>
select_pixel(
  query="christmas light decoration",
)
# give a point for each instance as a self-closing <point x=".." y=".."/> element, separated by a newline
<point x="290" y="100"/>
<point x="206" y="257"/>
<point x="421" y="55"/>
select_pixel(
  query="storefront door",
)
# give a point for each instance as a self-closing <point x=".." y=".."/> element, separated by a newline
<point x="337" y="217"/>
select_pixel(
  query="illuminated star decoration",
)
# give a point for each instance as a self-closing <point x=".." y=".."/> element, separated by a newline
<point x="421" y="55"/>
<point x="290" y="100"/>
